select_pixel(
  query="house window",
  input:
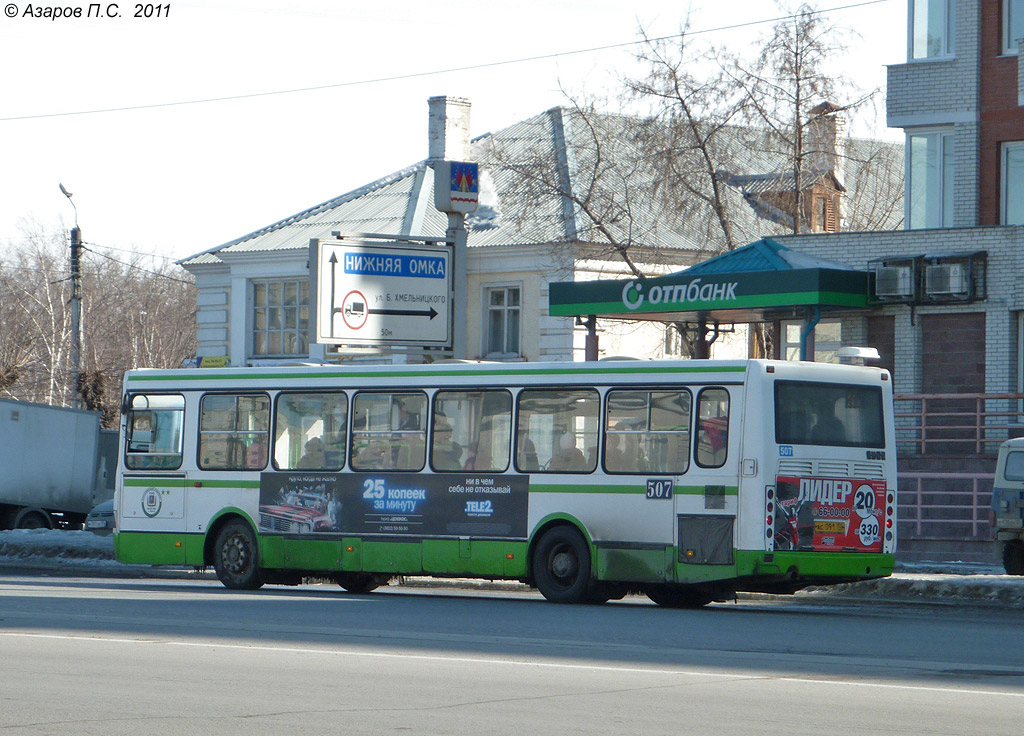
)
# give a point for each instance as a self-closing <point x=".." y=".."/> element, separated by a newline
<point x="280" y="318"/>
<point x="931" y="28"/>
<point x="1013" y="24"/>
<point x="930" y="180"/>
<point x="503" y="319"/>
<point x="1013" y="183"/>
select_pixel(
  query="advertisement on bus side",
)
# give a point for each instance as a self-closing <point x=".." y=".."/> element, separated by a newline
<point x="441" y="504"/>
<point x="829" y="514"/>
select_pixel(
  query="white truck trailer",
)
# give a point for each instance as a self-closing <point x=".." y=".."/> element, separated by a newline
<point x="55" y="465"/>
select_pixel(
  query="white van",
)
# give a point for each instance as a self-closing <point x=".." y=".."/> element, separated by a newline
<point x="1008" y="505"/>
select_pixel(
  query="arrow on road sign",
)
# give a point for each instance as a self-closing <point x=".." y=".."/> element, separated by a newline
<point x="406" y="312"/>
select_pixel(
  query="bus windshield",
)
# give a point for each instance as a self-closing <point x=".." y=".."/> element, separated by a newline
<point x="833" y="414"/>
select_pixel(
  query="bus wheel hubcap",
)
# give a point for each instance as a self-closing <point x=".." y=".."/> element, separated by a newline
<point x="234" y="555"/>
<point x="563" y="564"/>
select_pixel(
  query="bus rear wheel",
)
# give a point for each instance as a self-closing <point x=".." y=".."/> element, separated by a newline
<point x="1013" y="558"/>
<point x="359" y="582"/>
<point x="235" y="556"/>
<point x="561" y="565"/>
<point x="679" y="596"/>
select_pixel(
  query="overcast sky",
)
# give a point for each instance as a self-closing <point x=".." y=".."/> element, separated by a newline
<point x="178" y="179"/>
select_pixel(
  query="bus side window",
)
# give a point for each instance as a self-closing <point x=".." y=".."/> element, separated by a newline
<point x="647" y="431"/>
<point x="234" y="431"/>
<point x="154" y="431"/>
<point x="388" y="431"/>
<point x="471" y="431"/>
<point x="310" y="431"/>
<point x="552" y="428"/>
<point x="712" y="427"/>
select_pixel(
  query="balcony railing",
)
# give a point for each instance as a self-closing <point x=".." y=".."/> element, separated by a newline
<point x="957" y="424"/>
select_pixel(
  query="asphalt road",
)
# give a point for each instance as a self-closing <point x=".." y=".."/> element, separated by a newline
<point x="93" y="655"/>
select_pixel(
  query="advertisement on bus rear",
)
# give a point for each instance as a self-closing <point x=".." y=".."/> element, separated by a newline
<point x="441" y="504"/>
<point x="829" y="514"/>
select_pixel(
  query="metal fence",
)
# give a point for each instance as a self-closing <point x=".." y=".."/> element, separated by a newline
<point x="956" y="424"/>
<point x="944" y="506"/>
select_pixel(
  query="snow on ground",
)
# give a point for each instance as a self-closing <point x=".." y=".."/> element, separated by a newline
<point x="54" y="547"/>
<point x="952" y="582"/>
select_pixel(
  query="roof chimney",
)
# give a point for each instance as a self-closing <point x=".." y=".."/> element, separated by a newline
<point x="827" y="140"/>
<point x="448" y="129"/>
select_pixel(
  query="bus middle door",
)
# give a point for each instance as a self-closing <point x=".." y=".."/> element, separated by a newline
<point x="706" y="506"/>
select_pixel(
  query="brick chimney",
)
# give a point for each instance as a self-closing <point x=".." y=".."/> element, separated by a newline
<point x="448" y="129"/>
<point x="826" y="139"/>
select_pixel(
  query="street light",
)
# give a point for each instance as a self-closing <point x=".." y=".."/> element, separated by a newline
<point x="76" y="303"/>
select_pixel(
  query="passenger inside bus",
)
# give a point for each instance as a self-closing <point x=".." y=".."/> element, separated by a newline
<point x="827" y="428"/>
<point x="569" y="457"/>
<point x="446" y="452"/>
<point x="313" y="457"/>
<point x="527" y="456"/>
<point x="624" y="453"/>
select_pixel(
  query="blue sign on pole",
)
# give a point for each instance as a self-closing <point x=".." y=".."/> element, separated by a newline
<point x="461" y="193"/>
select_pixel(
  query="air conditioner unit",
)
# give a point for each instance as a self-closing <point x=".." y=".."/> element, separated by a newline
<point x="946" y="278"/>
<point x="894" y="281"/>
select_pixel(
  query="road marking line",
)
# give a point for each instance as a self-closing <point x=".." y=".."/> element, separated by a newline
<point x="520" y="663"/>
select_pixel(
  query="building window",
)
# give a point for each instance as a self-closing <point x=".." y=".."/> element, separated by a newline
<point x="1013" y="183"/>
<point x="930" y="180"/>
<point x="280" y="318"/>
<point x="931" y="29"/>
<point x="1013" y="24"/>
<point x="503" y="319"/>
<point x="827" y="340"/>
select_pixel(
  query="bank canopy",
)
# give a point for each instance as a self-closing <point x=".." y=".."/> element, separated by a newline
<point x="758" y="282"/>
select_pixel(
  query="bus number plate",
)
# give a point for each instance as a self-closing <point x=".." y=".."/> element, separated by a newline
<point x="658" y="488"/>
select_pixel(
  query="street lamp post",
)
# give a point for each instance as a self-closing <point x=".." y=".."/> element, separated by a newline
<point x="76" y="305"/>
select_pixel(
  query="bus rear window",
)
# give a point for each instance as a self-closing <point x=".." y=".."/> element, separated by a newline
<point x="831" y="414"/>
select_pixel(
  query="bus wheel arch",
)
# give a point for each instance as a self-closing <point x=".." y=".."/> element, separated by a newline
<point x="232" y="546"/>
<point x="561" y="562"/>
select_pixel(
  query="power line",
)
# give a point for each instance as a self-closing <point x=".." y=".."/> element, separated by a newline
<point x="138" y="268"/>
<point x="435" y="72"/>
<point x="133" y="252"/>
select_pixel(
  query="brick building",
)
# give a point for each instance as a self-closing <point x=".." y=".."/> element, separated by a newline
<point x="950" y="316"/>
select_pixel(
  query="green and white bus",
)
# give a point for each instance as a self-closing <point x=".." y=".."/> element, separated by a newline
<point x="684" y="480"/>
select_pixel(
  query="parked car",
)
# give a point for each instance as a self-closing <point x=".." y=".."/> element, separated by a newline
<point x="1008" y="505"/>
<point x="101" y="519"/>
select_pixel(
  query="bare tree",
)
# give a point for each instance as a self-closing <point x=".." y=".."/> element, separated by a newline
<point x="784" y="90"/>
<point x="583" y="176"/>
<point x="135" y="312"/>
<point x="689" y="140"/>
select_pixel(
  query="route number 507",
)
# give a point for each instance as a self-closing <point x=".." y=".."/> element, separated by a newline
<point x="659" y="488"/>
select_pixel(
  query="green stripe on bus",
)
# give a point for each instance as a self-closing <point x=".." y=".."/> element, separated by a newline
<point x="701" y="490"/>
<point x="478" y="371"/>
<point x="178" y="482"/>
<point x="641" y="490"/>
<point x="553" y="488"/>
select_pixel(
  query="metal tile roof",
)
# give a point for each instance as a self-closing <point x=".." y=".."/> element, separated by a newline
<point x="598" y="158"/>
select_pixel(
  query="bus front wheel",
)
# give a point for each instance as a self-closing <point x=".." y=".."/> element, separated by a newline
<point x="561" y="565"/>
<point x="235" y="557"/>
